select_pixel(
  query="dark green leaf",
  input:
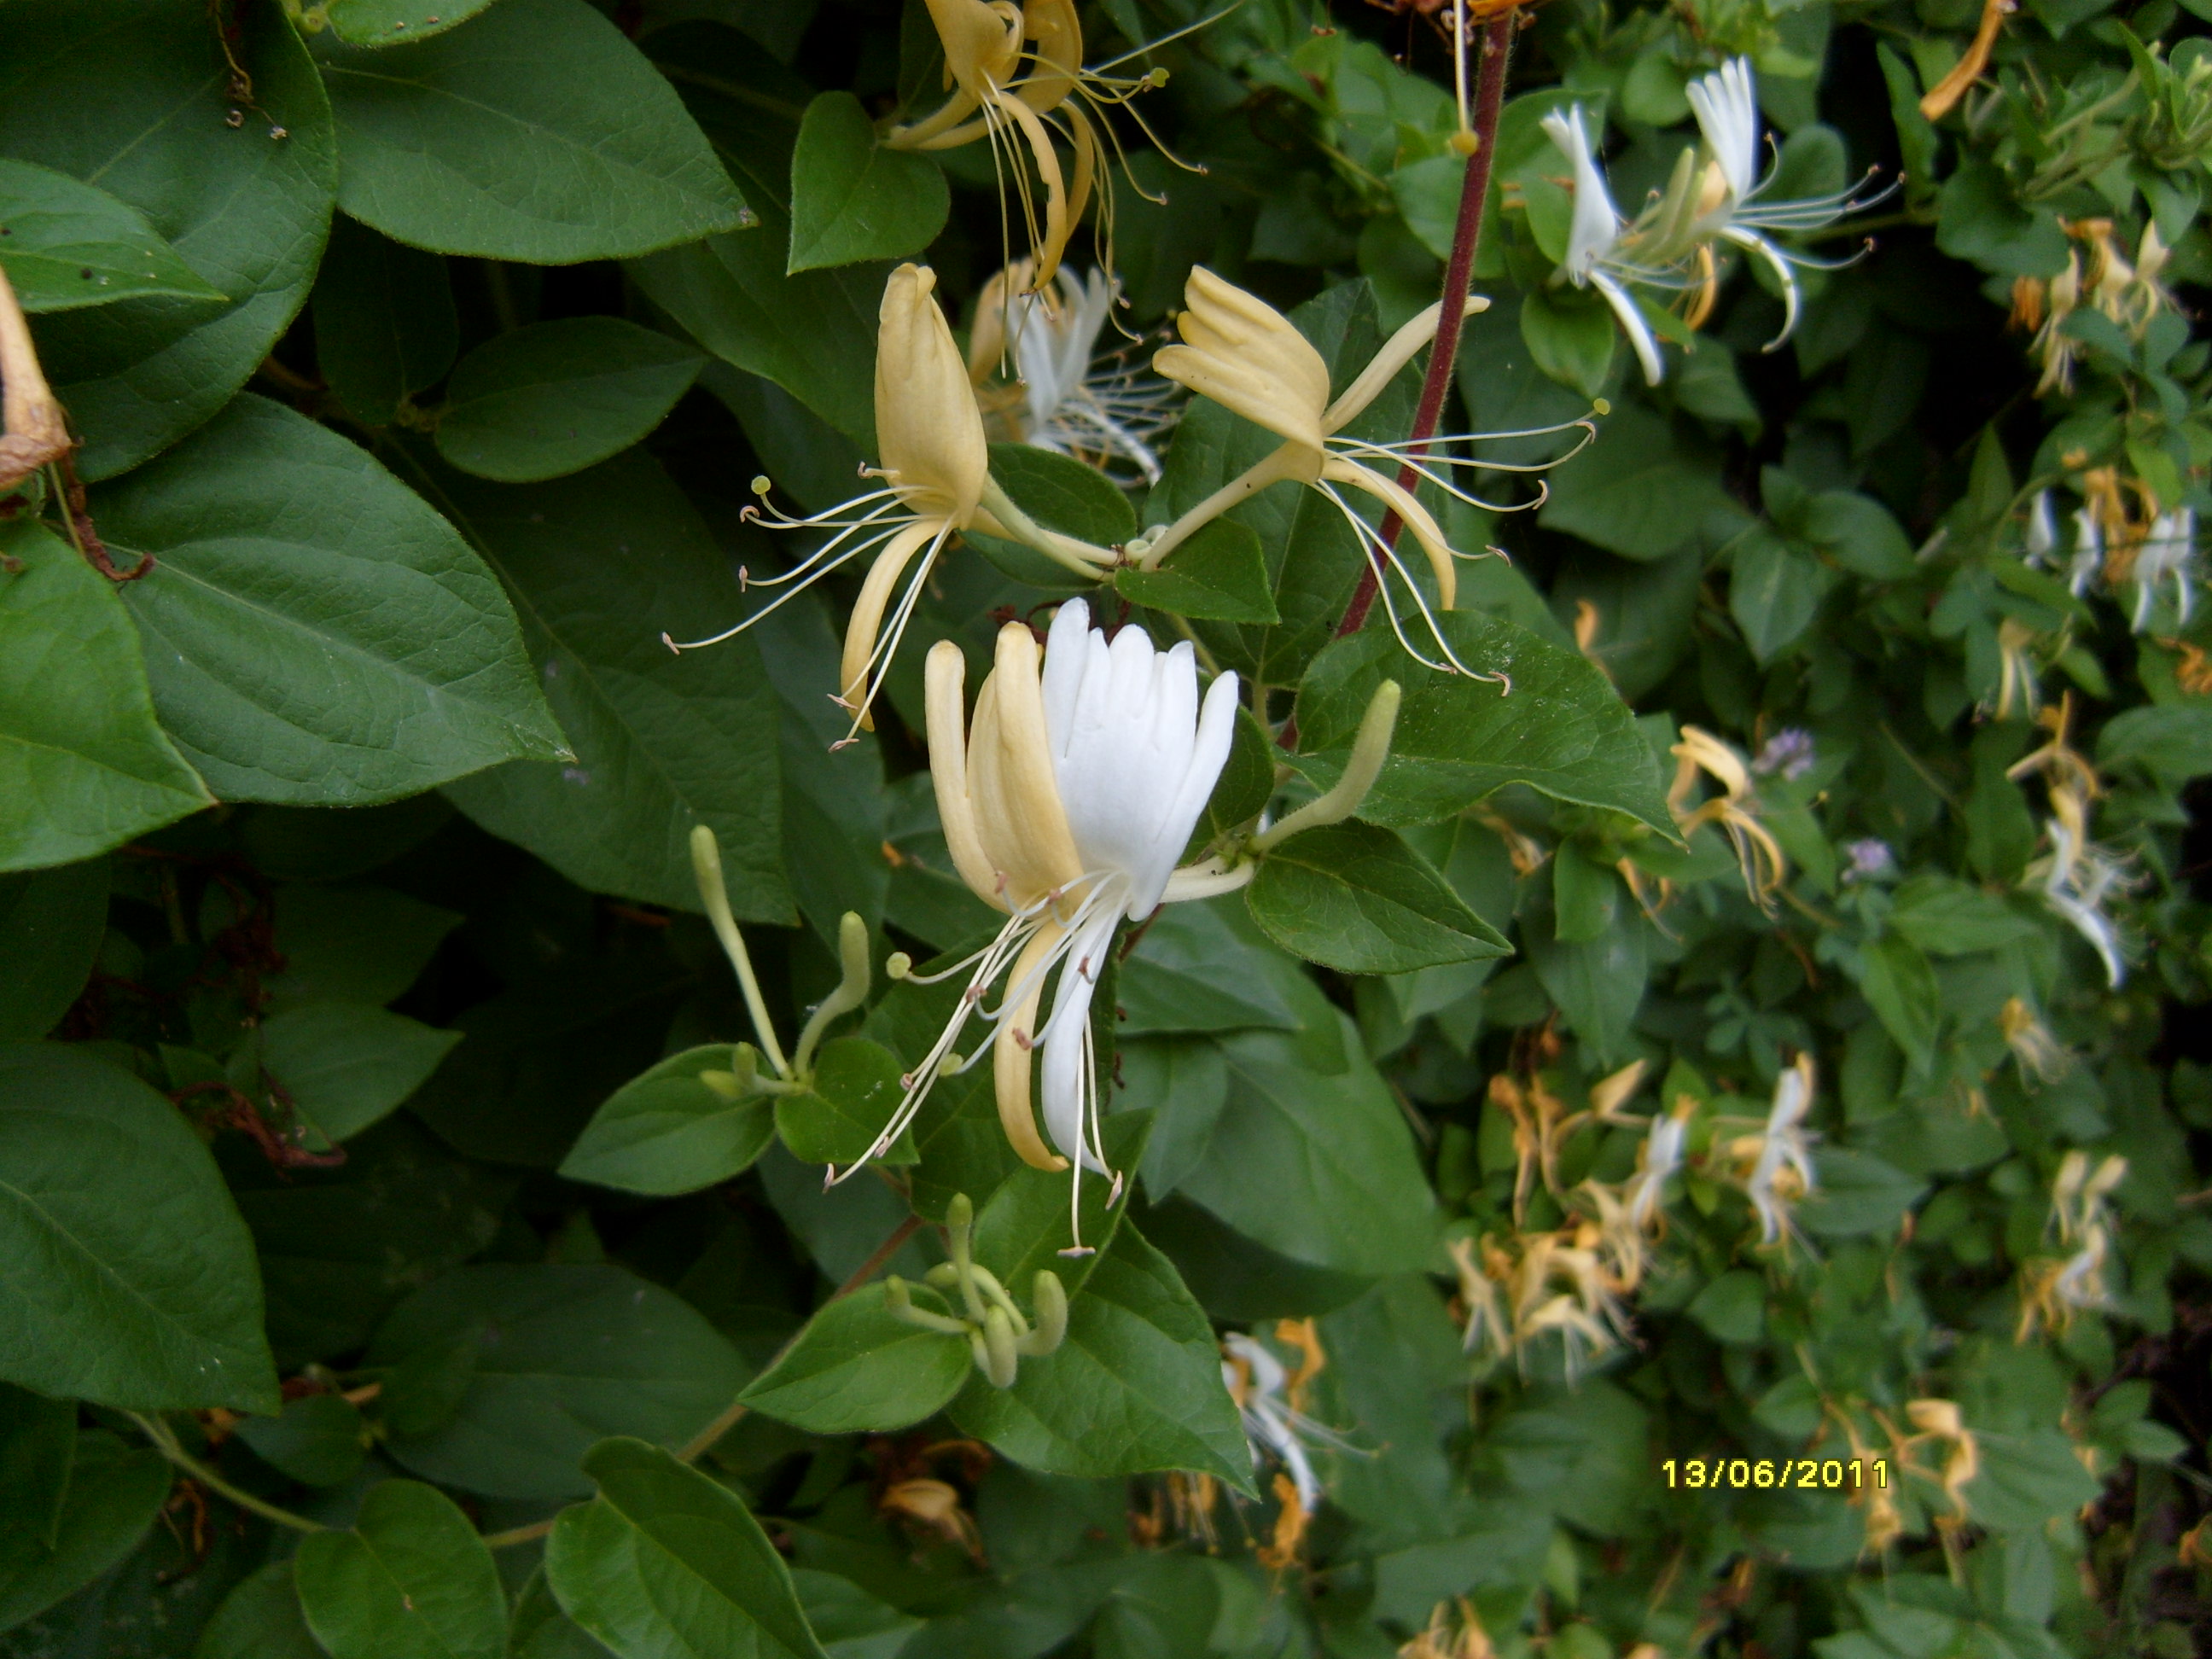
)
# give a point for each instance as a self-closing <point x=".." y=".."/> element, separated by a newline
<point x="562" y="1356"/>
<point x="1354" y="897"/>
<point x="1190" y="972"/>
<point x="664" y="1564"/>
<point x="855" y="1369"/>
<point x="395" y="23"/>
<point x="77" y="731"/>
<point x="260" y="1619"/>
<point x="314" y="633"/>
<point x="1561" y="729"/>
<point x="38" y="1448"/>
<point x="345" y="1065"/>
<point x="320" y="1439"/>
<point x="1063" y="494"/>
<point x="385" y="327"/>
<point x="2173" y="742"/>
<point x="70" y="245"/>
<point x="143" y="1294"/>
<point x="1570" y="334"/>
<point x="599" y="565"/>
<point x="1597" y="982"/>
<point x="1184" y="1083"/>
<point x="1898" y="982"/>
<point x="1856" y="1193"/>
<point x="1135" y="1387"/>
<point x="556" y="398"/>
<point x="411" y="1580"/>
<point x="1642" y="490"/>
<point x="1946" y="917"/>
<point x="668" y="1132"/>
<point x="352" y="943"/>
<point x="1773" y="591"/>
<point x="1219" y="574"/>
<point x="50" y="923"/>
<point x="536" y="131"/>
<point x="112" y="1496"/>
<point x="851" y="199"/>
<point x="858" y="1084"/>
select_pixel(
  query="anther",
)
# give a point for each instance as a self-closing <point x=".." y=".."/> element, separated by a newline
<point x="674" y="649"/>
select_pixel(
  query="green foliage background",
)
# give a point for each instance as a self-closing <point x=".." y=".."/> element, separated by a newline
<point x="377" y="1273"/>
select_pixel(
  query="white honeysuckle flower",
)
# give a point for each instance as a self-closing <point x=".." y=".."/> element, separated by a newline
<point x="937" y="482"/>
<point x="1068" y="397"/>
<point x="1594" y="235"/>
<point x="2077" y="878"/>
<point x="1782" y="1173"/>
<point x="2043" y="543"/>
<point x="2042" y="534"/>
<point x="2088" y="553"/>
<point x="1244" y="355"/>
<point x="2168" y="551"/>
<point x="1255" y="1380"/>
<point x="1065" y="803"/>
<point x="1660" y="1157"/>
<point x="1726" y="104"/>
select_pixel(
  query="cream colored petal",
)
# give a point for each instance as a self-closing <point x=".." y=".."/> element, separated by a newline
<point x="945" y="678"/>
<point x="1019" y="816"/>
<point x="1417" y="518"/>
<point x="929" y="432"/>
<point x="1011" y="1061"/>
<point x="1243" y="353"/>
<point x="867" y="618"/>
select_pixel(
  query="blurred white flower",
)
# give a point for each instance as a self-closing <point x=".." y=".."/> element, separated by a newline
<point x="2078" y="878"/>
<point x="2168" y="553"/>
<point x="1780" y="1156"/>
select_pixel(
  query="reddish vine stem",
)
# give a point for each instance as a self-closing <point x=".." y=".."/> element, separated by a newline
<point x="1459" y="272"/>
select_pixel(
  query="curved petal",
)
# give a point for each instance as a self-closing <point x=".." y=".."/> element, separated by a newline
<point x="1009" y="1060"/>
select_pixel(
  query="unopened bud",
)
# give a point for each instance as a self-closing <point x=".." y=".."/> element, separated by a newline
<point x="1000" y="1362"/>
<point x="724" y="1084"/>
<point x="1051" y="1302"/>
<point x="899" y="965"/>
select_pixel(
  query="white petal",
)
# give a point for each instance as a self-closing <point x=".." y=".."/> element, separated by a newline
<point x="1067" y="1051"/>
<point x="1632" y="324"/>
<point x="1727" y="106"/>
<point x="1596" y="225"/>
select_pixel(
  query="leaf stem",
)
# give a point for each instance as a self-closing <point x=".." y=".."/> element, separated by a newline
<point x="1459" y="272"/>
<point x="165" y="1441"/>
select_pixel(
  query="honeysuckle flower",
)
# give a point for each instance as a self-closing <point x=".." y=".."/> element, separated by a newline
<point x="2040" y="1055"/>
<point x="1670" y="244"/>
<point x="1780" y="1156"/>
<point x="1656" y="1161"/>
<point x="1534" y="1285"/>
<point x="2053" y="1293"/>
<point x="1016" y="77"/>
<point x="1735" y="809"/>
<point x="1065" y="803"/>
<point x="1244" y="355"/>
<point x="2077" y="878"/>
<point x="1594" y="241"/>
<point x="32" y="431"/>
<point x="1064" y="395"/>
<point x="1275" y="1421"/>
<point x="2043" y="539"/>
<point x="2018" y="685"/>
<point x="2168" y="553"/>
<point x="1941" y="1420"/>
<point x="935" y="469"/>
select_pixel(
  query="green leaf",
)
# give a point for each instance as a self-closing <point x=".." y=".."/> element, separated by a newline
<point x="599" y="565"/>
<point x="38" y="1449"/>
<point x="561" y="1357"/>
<point x="70" y="245"/>
<point x="1732" y="1307"/>
<point x="1774" y="592"/>
<point x="50" y="925"/>
<point x="848" y="1621"/>
<point x="314" y="633"/>
<point x="411" y="1580"/>
<point x="556" y="398"/>
<point x="1135" y="1387"/>
<point x="384" y="324"/>
<point x="1642" y="490"/>
<point x="858" y="1084"/>
<point x="1063" y="494"/>
<point x="112" y="1496"/>
<point x="1026" y="1226"/>
<point x="1562" y="730"/>
<point x="1597" y="982"/>
<point x="1184" y="1083"/>
<point x="1570" y="333"/>
<point x="667" y="1132"/>
<point x="813" y="334"/>
<point x="857" y="1370"/>
<point x="1219" y="574"/>
<point x="346" y="1063"/>
<point x="141" y="1292"/>
<point x="665" y="1564"/>
<point x="320" y="1439"/>
<point x="852" y="199"/>
<point x="1856" y="1193"/>
<point x="1311" y="1156"/>
<point x="351" y="944"/>
<point x="260" y="1618"/>
<point x="2172" y="742"/>
<point x="1946" y="917"/>
<point x="1191" y="972"/>
<point x="1897" y="980"/>
<point x="77" y="731"/>
<point x="1355" y="897"/>
<point x="535" y="131"/>
<point x="133" y="94"/>
<point x="395" y="23"/>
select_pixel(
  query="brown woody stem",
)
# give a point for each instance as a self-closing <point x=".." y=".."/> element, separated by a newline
<point x="1459" y="272"/>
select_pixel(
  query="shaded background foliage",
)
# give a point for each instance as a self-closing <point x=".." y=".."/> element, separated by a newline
<point x="429" y="358"/>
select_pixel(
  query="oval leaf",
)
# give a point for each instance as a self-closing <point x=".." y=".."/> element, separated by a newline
<point x="70" y="244"/>
<point x="137" y="1287"/>
<point x="856" y="1370"/>
<point x="1356" y="898"/>
<point x="556" y="398"/>
<point x="1219" y="574"/>
<point x="667" y="1132"/>
<point x="851" y="199"/>
<point x="411" y="1581"/>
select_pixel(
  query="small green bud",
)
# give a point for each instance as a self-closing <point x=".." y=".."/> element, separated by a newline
<point x="1000" y="1362"/>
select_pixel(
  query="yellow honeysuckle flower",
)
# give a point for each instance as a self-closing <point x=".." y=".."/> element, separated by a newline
<point x="935" y="469"/>
<point x="1244" y="355"/>
<point x="1735" y="809"/>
